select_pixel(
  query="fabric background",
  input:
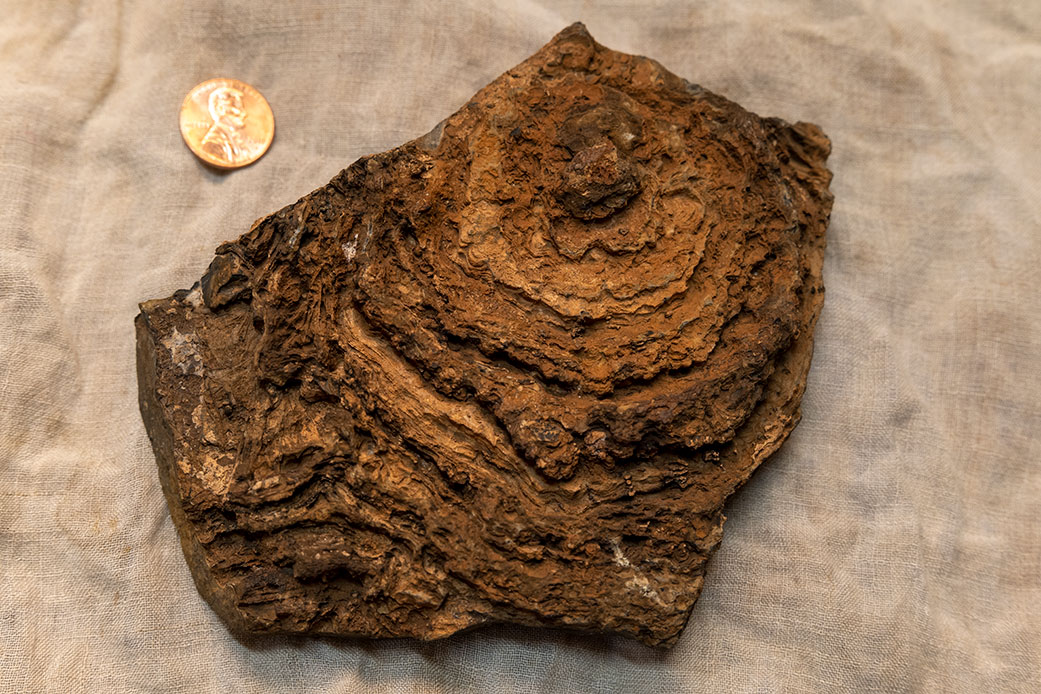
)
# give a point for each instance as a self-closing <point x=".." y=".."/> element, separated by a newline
<point x="894" y="544"/>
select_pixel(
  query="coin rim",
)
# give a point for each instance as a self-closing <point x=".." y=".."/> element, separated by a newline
<point x="207" y="158"/>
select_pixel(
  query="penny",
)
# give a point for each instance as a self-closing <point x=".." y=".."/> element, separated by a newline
<point x="227" y="123"/>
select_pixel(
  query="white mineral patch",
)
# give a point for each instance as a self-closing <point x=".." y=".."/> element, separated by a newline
<point x="638" y="582"/>
<point x="183" y="353"/>
<point x="194" y="297"/>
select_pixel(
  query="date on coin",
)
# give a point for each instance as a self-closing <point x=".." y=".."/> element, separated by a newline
<point x="227" y="123"/>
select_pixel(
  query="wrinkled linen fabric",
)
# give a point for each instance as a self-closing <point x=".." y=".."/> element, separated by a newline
<point x="893" y="545"/>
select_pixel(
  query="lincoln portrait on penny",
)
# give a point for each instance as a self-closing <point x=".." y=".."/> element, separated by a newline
<point x="224" y="138"/>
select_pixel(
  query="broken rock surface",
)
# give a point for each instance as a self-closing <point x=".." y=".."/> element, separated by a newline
<point x="507" y="372"/>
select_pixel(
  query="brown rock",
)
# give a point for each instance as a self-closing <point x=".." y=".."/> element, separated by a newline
<point x="507" y="372"/>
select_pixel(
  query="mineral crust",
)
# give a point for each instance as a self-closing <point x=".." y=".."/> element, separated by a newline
<point x="506" y="372"/>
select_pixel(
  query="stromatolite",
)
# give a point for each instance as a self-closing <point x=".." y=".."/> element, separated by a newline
<point x="507" y="372"/>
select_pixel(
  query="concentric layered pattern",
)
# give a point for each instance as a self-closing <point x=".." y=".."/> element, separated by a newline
<point x="509" y="371"/>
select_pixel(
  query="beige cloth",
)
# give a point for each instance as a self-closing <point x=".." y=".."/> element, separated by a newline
<point x="893" y="545"/>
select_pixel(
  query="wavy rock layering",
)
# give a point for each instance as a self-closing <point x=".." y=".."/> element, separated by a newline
<point x="507" y="372"/>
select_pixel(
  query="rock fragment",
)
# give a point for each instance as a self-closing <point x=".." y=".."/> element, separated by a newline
<point x="507" y="372"/>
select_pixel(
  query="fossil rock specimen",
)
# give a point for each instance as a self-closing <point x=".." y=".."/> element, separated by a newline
<point x="507" y="372"/>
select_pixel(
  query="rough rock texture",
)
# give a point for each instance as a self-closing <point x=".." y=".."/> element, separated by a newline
<point x="507" y="372"/>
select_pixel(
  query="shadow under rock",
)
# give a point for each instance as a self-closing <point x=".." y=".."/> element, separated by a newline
<point x="483" y="637"/>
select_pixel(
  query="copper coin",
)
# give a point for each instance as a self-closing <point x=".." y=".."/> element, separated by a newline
<point x="227" y="123"/>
